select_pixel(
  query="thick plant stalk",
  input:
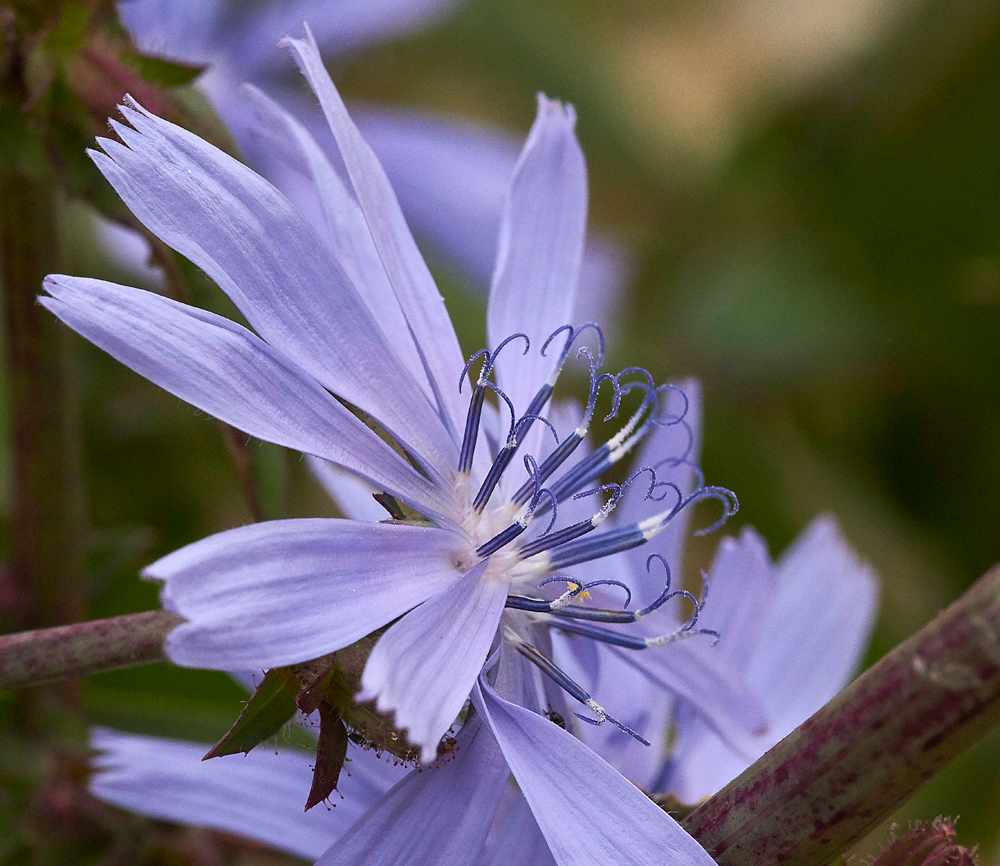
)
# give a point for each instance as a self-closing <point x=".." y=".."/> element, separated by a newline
<point x="33" y="658"/>
<point x="852" y="764"/>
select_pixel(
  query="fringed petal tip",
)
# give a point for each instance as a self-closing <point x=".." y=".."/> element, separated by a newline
<point x="556" y="109"/>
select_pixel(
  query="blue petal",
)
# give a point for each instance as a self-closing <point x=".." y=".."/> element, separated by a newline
<point x="259" y="795"/>
<point x="716" y="688"/>
<point x="452" y="178"/>
<point x="418" y="296"/>
<point x="424" y="666"/>
<point x="541" y="244"/>
<point x="343" y="26"/>
<point x="284" y="138"/>
<point x="436" y="816"/>
<point x="514" y="837"/>
<point x="817" y="628"/>
<point x="742" y="583"/>
<point x="632" y="698"/>
<point x="248" y="238"/>
<point x="228" y="372"/>
<point x="811" y="626"/>
<point x="587" y="812"/>
<point x="350" y="494"/>
<point x="173" y="28"/>
<point x="287" y="591"/>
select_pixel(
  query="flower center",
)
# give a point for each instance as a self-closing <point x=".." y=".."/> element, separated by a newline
<point x="498" y="527"/>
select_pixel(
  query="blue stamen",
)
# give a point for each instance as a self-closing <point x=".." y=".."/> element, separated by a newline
<point x="559" y="677"/>
<point x="546" y="542"/>
<point x="604" y="717"/>
<point x="471" y="429"/>
<point x="499" y="540"/>
<point x="603" y="458"/>
<point x="569" y="445"/>
<point x="573" y="334"/>
<point x="575" y="530"/>
<point x="516" y="528"/>
<point x="472" y="419"/>
<point x="506" y="454"/>
<point x="533" y="412"/>
<point x="608" y="543"/>
<point x="559" y="606"/>
<point x="628" y="641"/>
<point x="559" y="578"/>
<point x="540" y="605"/>
<point x="626" y="616"/>
<point x="676" y="419"/>
<point x="616" y="638"/>
<point x="635" y="534"/>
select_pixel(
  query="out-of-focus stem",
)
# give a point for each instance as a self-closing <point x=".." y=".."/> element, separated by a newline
<point x="236" y="442"/>
<point x="852" y="764"/>
<point x="32" y="658"/>
<point x="46" y="567"/>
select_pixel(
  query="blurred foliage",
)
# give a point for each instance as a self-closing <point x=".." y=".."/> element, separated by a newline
<point x="810" y="192"/>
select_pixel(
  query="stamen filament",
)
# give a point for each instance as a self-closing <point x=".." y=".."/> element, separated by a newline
<point x="559" y="677"/>
<point x="471" y="429"/>
<point x="516" y="528"/>
<point x="540" y="605"/>
<point x="562" y="453"/>
<point x="625" y="538"/>
<point x="474" y="415"/>
<point x="533" y="412"/>
<point x="628" y="641"/>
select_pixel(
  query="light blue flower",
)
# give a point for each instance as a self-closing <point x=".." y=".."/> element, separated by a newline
<point x="816" y="611"/>
<point x="359" y="316"/>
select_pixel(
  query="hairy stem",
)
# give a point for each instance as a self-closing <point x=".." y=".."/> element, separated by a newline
<point x="32" y="658"/>
<point x="851" y="765"/>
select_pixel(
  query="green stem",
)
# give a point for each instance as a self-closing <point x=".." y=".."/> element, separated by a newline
<point x="32" y="658"/>
<point x="851" y="765"/>
<point x="46" y="567"/>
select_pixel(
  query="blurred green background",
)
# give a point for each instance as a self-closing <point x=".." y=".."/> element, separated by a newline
<point x="810" y="195"/>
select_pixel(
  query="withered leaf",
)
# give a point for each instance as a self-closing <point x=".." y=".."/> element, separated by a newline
<point x="331" y="750"/>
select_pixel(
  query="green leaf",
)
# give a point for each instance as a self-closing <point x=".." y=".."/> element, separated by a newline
<point x="265" y="713"/>
<point x="156" y="70"/>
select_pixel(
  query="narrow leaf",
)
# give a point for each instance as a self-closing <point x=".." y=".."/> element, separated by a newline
<point x="268" y="709"/>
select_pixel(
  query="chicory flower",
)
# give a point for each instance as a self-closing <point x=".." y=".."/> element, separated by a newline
<point x="356" y="321"/>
